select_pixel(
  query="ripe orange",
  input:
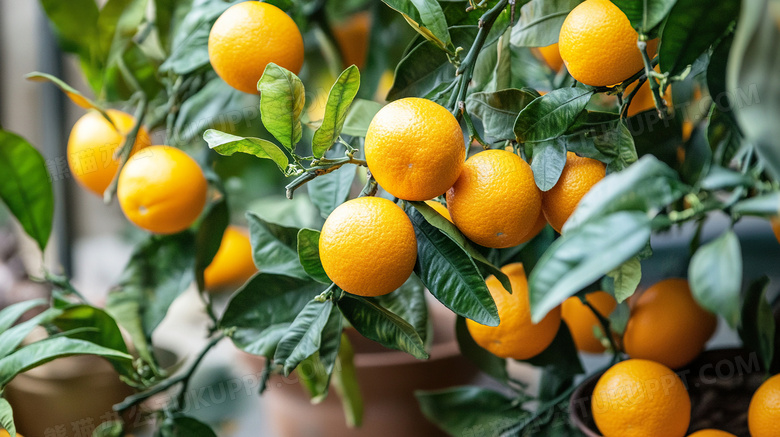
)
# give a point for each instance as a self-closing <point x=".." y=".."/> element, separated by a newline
<point x="516" y="336"/>
<point x="92" y="144"/>
<point x="368" y="246"/>
<point x="581" y="320"/>
<point x="414" y="148"/>
<point x="578" y="177"/>
<point x="643" y="100"/>
<point x="233" y="263"/>
<point x="776" y="227"/>
<point x="551" y="56"/>
<point x="641" y="398"/>
<point x="248" y="36"/>
<point x="352" y="37"/>
<point x="538" y="226"/>
<point x="711" y="433"/>
<point x="598" y="44"/>
<point x="667" y="325"/>
<point x="441" y="209"/>
<point x="495" y="201"/>
<point x="4" y="433"/>
<point x="764" y="410"/>
<point x="162" y="190"/>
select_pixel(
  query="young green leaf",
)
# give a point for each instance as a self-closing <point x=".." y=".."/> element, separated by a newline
<point x="309" y="255"/>
<point x="26" y="187"/>
<point x="227" y="144"/>
<point x="281" y="103"/>
<point x="498" y="110"/>
<point x="304" y="336"/>
<point x="11" y="338"/>
<point x="275" y="247"/>
<point x="547" y="164"/>
<point x="360" y="114"/>
<point x="715" y="274"/>
<point x="408" y="303"/>
<point x="10" y="314"/>
<point x="7" y="417"/>
<point x="460" y="411"/>
<point x="549" y="116"/>
<point x="434" y="23"/>
<point x="757" y="326"/>
<point x="540" y="22"/>
<point x="487" y="362"/>
<point x="73" y="94"/>
<point x="382" y="326"/>
<point x="767" y="205"/>
<point x="339" y="100"/>
<point x="646" y="14"/>
<point x="583" y="255"/>
<point x="330" y="190"/>
<point x="626" y="278"/>
<point x="209" y="238"/>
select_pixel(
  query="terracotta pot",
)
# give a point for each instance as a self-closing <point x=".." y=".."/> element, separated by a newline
<point x="387" y="379"/>
<point x="720" y="383"/>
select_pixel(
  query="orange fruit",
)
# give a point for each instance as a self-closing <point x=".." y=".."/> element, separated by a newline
<point x="667" y="325"/>
<point x="776" y="227"/>
<point x="233" y="263"/>
<point x="711" y="433"/>
<point x="495" y="201"/>
<point x="162" y="190"/>
<point x="352" y="38"/>
<point x="438" y="207"/>
<point x="764" y="410"/>
<point x="581" y="320"/>
<point x="641" y="398"/>
<point x="643" y="100"/>
<point x="598" y="44"/>
<point x="4" y="433"/>
<point x="515" y="336"/>
<point x="92" y="144"/>
<point x="368" y="246"/>
<point x="538" y="226"/>
<point x="578" y="177"/>
<point x="414" y="148"/>
<point x="551" y="56"/>
<point x="247" y="37"/>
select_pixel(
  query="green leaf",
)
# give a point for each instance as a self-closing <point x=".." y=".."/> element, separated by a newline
<point x="646" y="14"/>
<point x="263" y="309"/>
<point x="561" y="357"/>
<point x="304" y="336"/>
<point x="332" y="189"/>
<point x="185" y="426"/>
<point x="619" y="318"/>
<point x="408" y="303"/>
<point x="767" y="205"/>
<point x="41" y="352"/>
<point x="159" y="270"/>
<point x="336" y="109"/>
<point x="451" y="274"/>
<point x="433" y="18"/>
<point x="73" y="94"/>
<point x="680" y="47"/>
<point x="7" y="417"/>
<point x="209" y="237"/>
<point x="646" y="186"/>
<point x="757" y="326"/>
<point x="547" y="165"/>
<point x="74" y="23"/>
<point x="309" y="255"/>
<point x="345" y="381"/>
<point x="498" y="110"/>
<point x="487" y="362"/>
<point x="719" y="178"/>
<point x="460" y="411"/>
<point x="382" y="326"/>
<point x="11" y="338"/>
<point x="189" y="43"/>
<point x="540" y="22"/>
<point x="582" y="256"/>
<point x="715" y="274"/>
<point x="549" y="116"/>
<point x="112" y="428"/>
<point x="275" y="247"/>
<point x="281" y="103"/>
<point x="227" y="144"/>
<point x="626" y="278"/>
<point x="10" y="314"/>
<point x="360" y="114"/>
<point x="316" y="371"/>
<point x="26" y="187"/>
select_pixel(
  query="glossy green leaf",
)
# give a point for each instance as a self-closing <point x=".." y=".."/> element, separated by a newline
<point x="10" y="314"/>
<point x="646" y="186"/>
<point x="432" y="17"/>
<point x="359" y="117"/>
<point x="766" y="205"/>
<point x="486" y="361"/>
<point x="309" y="255"/>
<point x="189" y="44"/>
<point x="715" y="275"/>
<point x="460" y="411"/>
<point x="547" y="164"/>
<point x="498" y="110"/>
<point x="215" y="104"/>
<point x="331" y="190"/>
<point x="540" y="22"/>
<point x="757" y="325"/>
<point x="336" y="109"/>
<point x="7" y="417"/>
<point x="281" y="104"/>
<point x="451" y="274"/>
<point x="549" y="116"/>
<point x="12" y="337"/>
<point x="263" y="309"/>
<point x="275" y="247"/>
<point x="381" y="326"/>
<point x="184" y="426"/>
<point x="227" y="144"/>
<point x="644" y="15"/>
<point x="719" y="178"/>
<point x="680" y="47"/>
<point x="408" y="303"/>
<point x="209" y="237"/>
<point x="316" y="371"/>
<point x="346" y="384"/>
<point x="41" y="352"/>
<point x="74" y="23"/>
<point x="626" y="278"/>
<point x="304" y="335"/>
<point x="26" y="186"/>
<point x="582" y="256"/>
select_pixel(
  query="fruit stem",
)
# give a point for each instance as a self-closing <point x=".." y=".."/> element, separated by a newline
<point x="321" y="167"/>
<point x="630" y="97"/>
<point x="473" y="135"/>
<point x="127" y="147"/>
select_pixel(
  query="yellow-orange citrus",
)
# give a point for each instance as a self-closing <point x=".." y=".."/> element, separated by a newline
<point x="666" y="325"/>
<point x="247" y="37"/>
<point x="581" y="320"/>
<point x="4" y="433"/>
<point x="643" y="99"/>
<point x="162" y="190"/>
<point x="776" y="227"/>
<point x="711" y="433"/>
<point x="515" y="336"/>
<point x="641" y="398"/>
<point x="598" y="44"/>
<point x="540" y="224"/>
<point x="92" y="144"/>
<point x="414" y="148"/>
<point x="368" y="246"/>
<point x="551" y="56"/>
<point x="352" y="38"/>
<point x="233" y="263"/>
<point x="578" y="177"/>
<point x="438" y="207"/>
<point x="495" y="201"/>
<point x="764" y="410"/>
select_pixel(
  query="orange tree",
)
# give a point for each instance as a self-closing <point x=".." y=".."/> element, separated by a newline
<point x="605" y="176"/>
